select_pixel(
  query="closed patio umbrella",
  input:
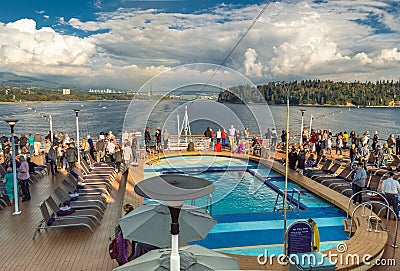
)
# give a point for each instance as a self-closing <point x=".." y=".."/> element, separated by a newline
<point x="192" y="258"/>
<point x="150" y="224"/>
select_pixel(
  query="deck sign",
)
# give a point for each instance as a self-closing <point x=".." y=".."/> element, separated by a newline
<point x="299" y="237"/>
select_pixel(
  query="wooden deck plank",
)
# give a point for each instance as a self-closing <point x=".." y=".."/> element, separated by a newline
<point x="55" y="249"/>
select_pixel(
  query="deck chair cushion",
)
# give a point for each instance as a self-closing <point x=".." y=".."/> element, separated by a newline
<point x="51" y="221"/>
<point x="65" y="212"/>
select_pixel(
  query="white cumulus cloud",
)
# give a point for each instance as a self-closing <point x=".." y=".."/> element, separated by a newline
<point x="252" y="67"/>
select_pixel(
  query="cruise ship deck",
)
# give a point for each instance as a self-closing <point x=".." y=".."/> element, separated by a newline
<point x="78" y="249"/>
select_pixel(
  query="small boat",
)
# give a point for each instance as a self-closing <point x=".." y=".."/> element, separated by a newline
<point x="104" y="107"/>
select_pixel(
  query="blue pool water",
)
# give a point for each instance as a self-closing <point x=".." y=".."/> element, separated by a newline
<point x="244" y="205"/>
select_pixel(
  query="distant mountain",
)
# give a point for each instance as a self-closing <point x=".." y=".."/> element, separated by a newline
<point x="11" y="78"/>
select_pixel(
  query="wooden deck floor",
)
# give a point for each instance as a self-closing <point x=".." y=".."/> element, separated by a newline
<point x="74" y="249"/>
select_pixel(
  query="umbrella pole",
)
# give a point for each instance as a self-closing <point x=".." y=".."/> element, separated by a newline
<point x="175" y="261"/>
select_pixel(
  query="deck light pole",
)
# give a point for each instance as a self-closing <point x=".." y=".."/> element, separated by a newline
<point x="77" y="134"/>
<point x="302" y="125"/>
<point x="12" y="123"/>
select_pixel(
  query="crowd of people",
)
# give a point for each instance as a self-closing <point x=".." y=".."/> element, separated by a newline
<point x="323" y="143"/>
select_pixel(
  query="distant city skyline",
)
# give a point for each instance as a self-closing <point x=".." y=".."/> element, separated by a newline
<point x="121" y="44"/>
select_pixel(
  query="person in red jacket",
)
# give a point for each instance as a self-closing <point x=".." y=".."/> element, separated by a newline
<point x="218" y="146"/>
<point x="223" y="137"/>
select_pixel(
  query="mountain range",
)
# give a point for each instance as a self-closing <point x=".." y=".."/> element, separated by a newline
<point x="11" y="78"/>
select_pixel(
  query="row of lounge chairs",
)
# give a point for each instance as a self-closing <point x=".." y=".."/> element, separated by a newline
<point x="338" y="176"/>
<point x="84" y="192"/>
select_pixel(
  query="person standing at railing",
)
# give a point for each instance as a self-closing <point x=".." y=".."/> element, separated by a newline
<point x="8" y="180"/>
<point x="166" y="139"/>
<point x="100" y="149"/>
<point x="134" y="145"/>
<point x="223" y="137"/>
<point x="91" y="144"/>
<point x="391" y="189"/>
<point x="231" y="135"/>
<point x="147" y="139"/>
<point x="52" y="159"/>
<point x="274" y="137"/>
<point x="157" y="138"/>
<point x="246" y="133"/>
<point x="219" y="135"/>
<point x="127" y="153"/>
<point x="31" y="141"/>
<point x="358" y="183"/>
<point x="37" y="142"/>
<point x="23" y="177"/>
<point x="85" y="148"/>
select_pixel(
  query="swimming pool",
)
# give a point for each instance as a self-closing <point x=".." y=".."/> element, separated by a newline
<point x="243" y="203"/>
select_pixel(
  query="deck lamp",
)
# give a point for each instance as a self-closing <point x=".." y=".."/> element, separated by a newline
<point x="77" y="134"/>
<point x="174" y="190"/>
<point x="302" y="125"/>
<point x="12" y="123"/>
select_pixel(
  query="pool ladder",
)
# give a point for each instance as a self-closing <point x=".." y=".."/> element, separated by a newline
<point x="208" y="206"/>
<point x="290" y="199"/>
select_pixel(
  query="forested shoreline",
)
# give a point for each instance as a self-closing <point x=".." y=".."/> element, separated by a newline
<point x="318" y="92"/>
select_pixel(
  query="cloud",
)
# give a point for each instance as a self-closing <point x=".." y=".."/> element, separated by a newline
<point x="251" y="66"/>
<point x="346" y="40"/>
<point x="21" y="44"/>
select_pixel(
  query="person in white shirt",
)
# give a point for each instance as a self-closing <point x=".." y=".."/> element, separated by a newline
<point x="391" y="189"/>
<point x="219" y="134"/>
<point x="231" y="135"/>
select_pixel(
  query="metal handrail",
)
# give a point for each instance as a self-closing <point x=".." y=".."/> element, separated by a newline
<point x="394" y="245"/>
<point x="361" y="192"/>
<point x="369" y="223"/>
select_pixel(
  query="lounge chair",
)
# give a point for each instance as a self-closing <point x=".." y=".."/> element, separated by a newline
<point x="328" y="173"/>
<point x="49" y="222"/>
<point x="76" y="177"/>
<point x="79" y="204"/>
<point x="343" y="175"/>
<point x="88" y="190"/>
<point x="394" y="165"/>
<point x="90" y="213"/>
<point x="89" y="168"/>
<point x="100" y="198"/>
<point x="89" y="183"/>
<point x="328" y="163"/>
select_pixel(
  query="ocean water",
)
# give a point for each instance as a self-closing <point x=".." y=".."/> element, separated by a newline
<point x="97" y="116"/>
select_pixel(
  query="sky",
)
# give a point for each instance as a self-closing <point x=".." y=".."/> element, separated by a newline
<point x="121" y="44"/>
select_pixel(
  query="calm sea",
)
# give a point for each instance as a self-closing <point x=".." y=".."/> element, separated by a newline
<point x="118" y="115"/>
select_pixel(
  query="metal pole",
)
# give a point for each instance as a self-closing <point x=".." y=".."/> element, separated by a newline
<point x="77" y="135"/>
<point x="311" y="119"/>
<point x="14" y="166"/>
<point x="186" y="123"/>
<point x="51" y="129"/>
<point x="179" y="131"/>
<point x="302" y="124"/>
<point x="175" y="262"/>
<point x="286" y="177"/>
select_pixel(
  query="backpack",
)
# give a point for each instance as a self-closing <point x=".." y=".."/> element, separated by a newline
<point x="112" y="249"/>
